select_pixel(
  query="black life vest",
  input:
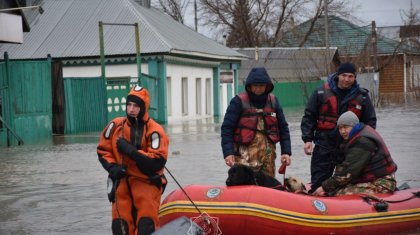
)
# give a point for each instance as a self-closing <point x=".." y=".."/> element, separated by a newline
<point x="329" y="113"/>
<point x="247" y="125"/>
<point x="381" y="163"/>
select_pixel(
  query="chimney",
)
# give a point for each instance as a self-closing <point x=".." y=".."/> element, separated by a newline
<point x="144" y="3"/>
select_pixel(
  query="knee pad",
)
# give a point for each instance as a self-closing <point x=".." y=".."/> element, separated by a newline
<point x="119" y="227"/>
<point x="146" y="226"/>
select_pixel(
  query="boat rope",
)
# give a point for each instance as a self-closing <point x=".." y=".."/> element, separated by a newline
<point x="117" y="183"/>
<point x="382" y="205"/>
<point x="368" y="196"/>
<point x="203" y="215"/>
<point x="186" y="194"/>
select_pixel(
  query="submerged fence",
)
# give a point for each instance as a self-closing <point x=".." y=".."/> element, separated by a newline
<point x="293" y="94"/>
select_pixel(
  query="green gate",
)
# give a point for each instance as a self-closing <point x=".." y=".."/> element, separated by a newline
<point x="25" y="101"/>
<point x="3" y="86"/>
<point x="85" y="105"/>
<point x="116" y="91"/>
<point x="90" y="104"/>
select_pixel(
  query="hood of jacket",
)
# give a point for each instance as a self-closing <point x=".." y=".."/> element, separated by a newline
<point x="141" y="97"/>
<point x="259" y="76"/>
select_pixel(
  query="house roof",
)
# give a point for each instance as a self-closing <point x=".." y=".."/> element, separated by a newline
<point x="69" y="29"/>
<point x="350" y="39"/>
<point x="288" y="64"/>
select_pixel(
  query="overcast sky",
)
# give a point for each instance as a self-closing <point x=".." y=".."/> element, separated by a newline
<point x="384" y="12"/>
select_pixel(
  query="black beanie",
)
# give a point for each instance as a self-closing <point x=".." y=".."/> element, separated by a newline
<point x="346" y="68"/>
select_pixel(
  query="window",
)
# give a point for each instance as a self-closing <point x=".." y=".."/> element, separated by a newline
<point x="169" y="94"/>
<point x="208" y="96"/>
<point x="222" y="98"/>
<point x="184" y="96"/>
<point x="416" y="76"/>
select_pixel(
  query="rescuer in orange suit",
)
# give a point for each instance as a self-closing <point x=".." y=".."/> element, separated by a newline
<point x="134" y="150"/>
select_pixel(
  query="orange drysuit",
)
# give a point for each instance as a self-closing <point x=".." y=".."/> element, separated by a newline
<point x="143" y="154"/>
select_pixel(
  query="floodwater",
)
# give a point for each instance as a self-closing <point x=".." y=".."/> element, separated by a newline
<point x="58" y="186"/>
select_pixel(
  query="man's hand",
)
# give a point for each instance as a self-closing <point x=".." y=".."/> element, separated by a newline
<point x="319" y="192"/>
<point x="285" y="159"/>
<point x="125" y="148"/>
<point x="116" y="172"/>
<point x="308" y="148"/>
<point x="230" y="160"/>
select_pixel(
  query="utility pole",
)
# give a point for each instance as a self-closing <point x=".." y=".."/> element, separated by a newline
<point x="374" y="47"/>
<point x="195" y="16"/>
<point x="327" y="44"/>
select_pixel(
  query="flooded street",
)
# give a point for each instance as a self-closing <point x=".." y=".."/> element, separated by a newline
<point x="59" y="186"/>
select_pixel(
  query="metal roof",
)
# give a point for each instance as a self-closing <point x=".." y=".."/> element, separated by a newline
<point x="69" y="29"/>
<point x="288" y="64"/>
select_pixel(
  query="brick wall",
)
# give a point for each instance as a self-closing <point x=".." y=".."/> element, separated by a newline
<point x="391" y="74"/>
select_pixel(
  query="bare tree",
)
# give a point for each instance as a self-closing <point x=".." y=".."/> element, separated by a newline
<point x="247" y="23"/>
<point x="263" y="22"/>
<point x="174" y="8"/>
<point x="412" y="16"/>
<point x="410" y="32"/>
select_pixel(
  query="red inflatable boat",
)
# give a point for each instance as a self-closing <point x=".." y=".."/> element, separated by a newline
<point x="258" y="210"/>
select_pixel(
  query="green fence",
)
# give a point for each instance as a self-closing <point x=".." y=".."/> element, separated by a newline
<point x="25" y="101"/>
<point x="293" y="94"/>
<point x="86" y="109"/>
<point x="90" y="104"/>
<point x="151" y="84"/>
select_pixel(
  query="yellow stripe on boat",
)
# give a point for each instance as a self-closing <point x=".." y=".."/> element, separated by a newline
<point x="276" y="214"/>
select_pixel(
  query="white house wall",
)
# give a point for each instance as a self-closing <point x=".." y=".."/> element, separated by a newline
<point x="225" y="101"/>
<point x="176" y="73"/>
<point x="123" y="70"/>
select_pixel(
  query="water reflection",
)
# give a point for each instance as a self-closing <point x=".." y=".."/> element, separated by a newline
<point x="59" y="187"/>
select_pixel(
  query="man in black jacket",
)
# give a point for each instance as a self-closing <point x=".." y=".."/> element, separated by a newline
<point x="339" y="94"/>
<point x="254" y="122"/>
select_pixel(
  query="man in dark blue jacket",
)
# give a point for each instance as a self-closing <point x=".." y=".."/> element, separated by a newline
<point x="254" y="122"/>
<point x="339" y="94"/>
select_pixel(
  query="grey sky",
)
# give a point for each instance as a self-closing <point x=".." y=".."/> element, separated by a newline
<point x="384" y="12"/>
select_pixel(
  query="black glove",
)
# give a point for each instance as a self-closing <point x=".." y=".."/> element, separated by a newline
<point x="116" y="172"/>
<point x="125" y="148"/>
<point x="147" y="165"/>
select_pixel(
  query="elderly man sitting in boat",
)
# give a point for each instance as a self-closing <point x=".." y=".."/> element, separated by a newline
<point x="367" y="168"/>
